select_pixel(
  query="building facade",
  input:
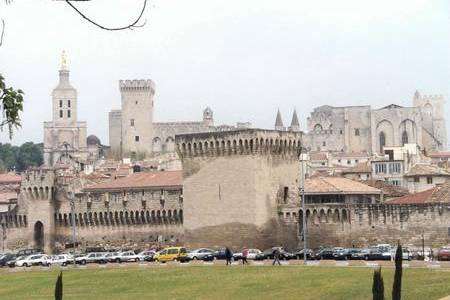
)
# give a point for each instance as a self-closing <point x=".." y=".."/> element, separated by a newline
<point x="363" y="129"/>
<point x="64" y="136"/>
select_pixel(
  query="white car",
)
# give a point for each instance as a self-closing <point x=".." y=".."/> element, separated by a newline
<point x="113" y="257"/>
<point x="146" y="255"/>
<point x="32" y="260"/>
<point x="128" y="256"/>
<point x="93" y="257"/>
<point x="61" y="259"/>
<point x="199" y="253"/>
<point x="251" y="254"/>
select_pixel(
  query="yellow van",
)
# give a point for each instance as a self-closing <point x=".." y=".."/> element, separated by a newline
<point x="171" y="254"/>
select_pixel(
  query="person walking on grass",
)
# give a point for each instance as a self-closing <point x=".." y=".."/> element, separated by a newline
<point x="244" y="256"/>
<point x="276" y="257"/>
<point x="228" y="255"/>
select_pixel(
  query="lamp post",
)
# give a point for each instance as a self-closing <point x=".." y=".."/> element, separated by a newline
<point x="302" y="158"/>
<point x="72" y="210"/>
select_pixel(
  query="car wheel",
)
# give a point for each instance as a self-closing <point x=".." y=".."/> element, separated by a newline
<point x="64" y="264"/>
<point x="83" y="262"/>
<point x="136" y="259"/>
<point x="194" y="258"/>
<point x="25" y="265"/>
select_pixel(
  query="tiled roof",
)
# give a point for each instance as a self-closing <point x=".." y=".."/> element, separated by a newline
<point x="363" y="167"/>
<point x="441" y="154"/>
<point x="389" y="190"/>
<point x="350" y="154"/>
<point x="439" y="193"/>
<point x="10" y="178"/>
<point x="337" y="185"/>
<point x="140" y="180"/>
<point x="426" y="169"/>
<point x="5" y="196"/>
<point x="317" y="156"/>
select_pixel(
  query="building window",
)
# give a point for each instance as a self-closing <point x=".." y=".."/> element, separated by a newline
<point x="136" y="138"/>
<point x="429" y="180"/>
<point x="60" y="113"/>
<point x="380" y="168"/>
<point x="324" y="144"/>
<point x="339" y="160"/>
<point x="357" y="131"/>
<point x="136" y="102"/>
<point x="285" y="194"/>
<point x="356" y="161"/>
<point x="382" y="139"/>
<point x="60" y="103"/>
<point x="416" y="179"/>
<point x="68" y="113"/>
<point x="323" y="164"/>
<point x="340" y="131"/>
<point x="68" y="103"/>
<point x="132" y="122"/>
<point x="349" y="161"/>
<point x="404" y="138"/>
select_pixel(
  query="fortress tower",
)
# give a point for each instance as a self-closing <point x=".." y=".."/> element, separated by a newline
<point x="432" y="108"/>
<point x="64" y="136"/>
<point x="233" y="182"/>
<point x="136" y="117"/>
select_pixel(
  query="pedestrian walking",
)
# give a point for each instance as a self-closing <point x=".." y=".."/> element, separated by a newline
<point x="228" y="255"/>
<point x="276" y="257"/>
<point x="244" y="256"/>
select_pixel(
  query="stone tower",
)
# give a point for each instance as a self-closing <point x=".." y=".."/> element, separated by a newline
<point x="295" y="125"/>
<point x="137" y="116"/>
<point x="64" y="136"/>
<point x="279" y="122"/>
<point x="432" y="108"/>
<point x="208" y="117"/>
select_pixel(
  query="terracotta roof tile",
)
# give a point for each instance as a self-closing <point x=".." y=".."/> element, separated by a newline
<point x="337" y="185"/>
<point x="440" y="193"/>
<point x="10" y="178"/>
<point x="441" y="154"/>
<point x="166" y="179"/>
<point x="363" y="167"/>
<point x="389" y="190"/>
<point x="426" y="169"/>
<point x="318" y="156"/>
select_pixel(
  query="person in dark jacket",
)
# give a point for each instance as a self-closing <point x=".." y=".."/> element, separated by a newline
<point x="244" y="256"/>
<point x="228" y="255"/>
<point x="276" y="257"/>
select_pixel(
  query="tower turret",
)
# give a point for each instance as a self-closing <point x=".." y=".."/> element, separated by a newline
<point x="208" y="117"/>
<point x="295" y="125"/>
<point x="279" y="122"/>
<point x="64" y="96"/>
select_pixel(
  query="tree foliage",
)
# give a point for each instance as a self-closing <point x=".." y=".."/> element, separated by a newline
<point x="378" y="285"/>
<point x="11" y="102"/>
<point x="397" y="287"/>
<point x="15" y="158"/>
<point x="59" y="287"/>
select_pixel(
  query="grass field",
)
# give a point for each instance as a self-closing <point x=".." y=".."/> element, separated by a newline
<point x="220" y="282"/>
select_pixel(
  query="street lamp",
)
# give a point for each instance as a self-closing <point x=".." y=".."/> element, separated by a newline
<point x="72" y="209"/>
<point x="303" y="156"/>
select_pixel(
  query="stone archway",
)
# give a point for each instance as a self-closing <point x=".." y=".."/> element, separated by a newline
<point x="39" y="235"/>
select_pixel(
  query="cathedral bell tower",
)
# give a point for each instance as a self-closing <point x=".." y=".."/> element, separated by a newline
<point x="64" y="97"/>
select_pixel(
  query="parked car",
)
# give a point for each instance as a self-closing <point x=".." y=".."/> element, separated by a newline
<point x="444" y="253"/>
<point x="12" y="263"/>
<point x="32" y="260"/>
<point x="112" y="257"/>
<point x="5" y="258"/>
<point x="220" y="254"/>
<point x="60" y="259"/>
<point x="199" y="253"/>
<point x="94" y="257"/>
<point x="209" y="257"/>
<point x="299" y="254"/>
<point x="128" y="256"/>
<point x="171" y="254"/>
<point x="252" y="253"/>
<point x="146" y="255"/>
<point x="29" y="252"/>
<point x="359" y="254"/>
<point x="378" y="254"/>
<point x="325" y="253"/>
<point x="269" y="254"/>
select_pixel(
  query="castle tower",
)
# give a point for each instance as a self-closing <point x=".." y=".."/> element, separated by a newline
<point x="432" y="108"/>
<point x="295" y="125"/>
<point x="208" y="117"/>
<point x="64" y="136"/>
<point x="137" y="116"/>
<point x="279" y="122"/>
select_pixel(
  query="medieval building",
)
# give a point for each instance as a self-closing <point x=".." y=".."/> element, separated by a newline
<point x="64" y="136"/>
<point x="363" y="129"/>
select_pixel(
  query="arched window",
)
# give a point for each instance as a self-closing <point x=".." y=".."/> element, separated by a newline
<point x="382" y="141"/>
<point x="404" y="138"/>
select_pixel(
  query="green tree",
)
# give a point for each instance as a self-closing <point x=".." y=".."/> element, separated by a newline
<point x="59" y="287"/>
<point x="8" y="154"/>
<point x="11" y="101"/>
<point x="29" y="155"/>
<point x="378" y="285"/>
<point x="397" y="287"/>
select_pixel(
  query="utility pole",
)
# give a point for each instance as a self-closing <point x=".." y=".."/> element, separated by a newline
<point x="72" y="209"/>
<point x="302" y="193"/>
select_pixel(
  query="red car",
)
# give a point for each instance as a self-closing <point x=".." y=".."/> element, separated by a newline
<point x="444" y="253"/>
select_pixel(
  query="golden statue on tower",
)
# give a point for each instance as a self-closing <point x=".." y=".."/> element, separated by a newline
<point x="64" y="65"/>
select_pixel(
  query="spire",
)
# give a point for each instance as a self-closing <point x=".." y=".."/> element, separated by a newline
<point x="417" y="94"/>
<point x="295" y="125"/>
<point x="64" y="65"/>
<point x="279" y="122"/>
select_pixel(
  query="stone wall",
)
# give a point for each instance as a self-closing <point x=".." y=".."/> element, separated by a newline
<point x="230" y="185"/>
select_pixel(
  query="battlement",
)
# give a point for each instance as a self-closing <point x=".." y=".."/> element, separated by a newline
<point x="239" y="142"/>
<point x="136" y="85"/>
<point x="38" y="183"/>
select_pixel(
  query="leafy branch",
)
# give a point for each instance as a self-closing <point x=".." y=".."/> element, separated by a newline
<point x="11" y="102"/>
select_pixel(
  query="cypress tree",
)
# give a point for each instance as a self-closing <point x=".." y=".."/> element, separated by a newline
<point x="397" y="287"/>
<point x="378" y="285"/>
<point x="59" y="287"/>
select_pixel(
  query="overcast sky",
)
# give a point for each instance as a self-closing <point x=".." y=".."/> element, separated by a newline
<point x="244" y="59"/>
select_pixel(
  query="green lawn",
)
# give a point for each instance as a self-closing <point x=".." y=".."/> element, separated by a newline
<point x="220" y="282"/>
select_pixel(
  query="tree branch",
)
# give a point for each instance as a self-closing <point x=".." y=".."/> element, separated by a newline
<point x="3" y="32"/>
<point x="131" y="26"/>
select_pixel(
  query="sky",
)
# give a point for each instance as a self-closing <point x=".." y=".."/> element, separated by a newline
<point x="244" y="59"/>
